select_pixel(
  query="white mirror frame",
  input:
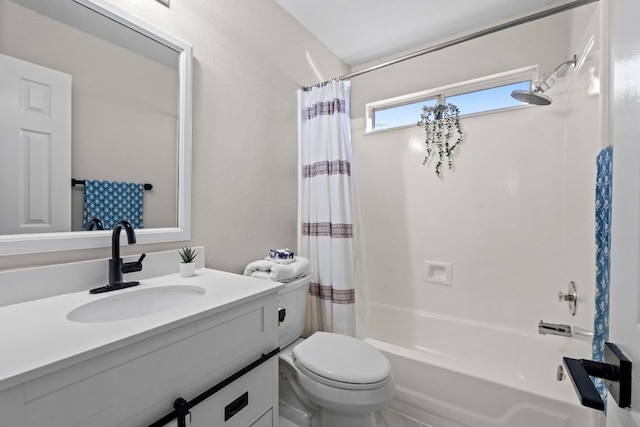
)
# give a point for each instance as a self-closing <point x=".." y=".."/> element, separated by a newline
<point x="74" y="240"/>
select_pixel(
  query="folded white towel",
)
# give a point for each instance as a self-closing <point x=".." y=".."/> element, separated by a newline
<point x="267" y="269"/>
<point x="281" y="260"/>
<point x="261" y="275"/>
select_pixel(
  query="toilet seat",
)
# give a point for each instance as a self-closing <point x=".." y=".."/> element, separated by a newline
<point x="342" y="362"/>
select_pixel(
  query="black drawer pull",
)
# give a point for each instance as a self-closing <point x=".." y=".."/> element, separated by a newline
<point x="236" y="406"/>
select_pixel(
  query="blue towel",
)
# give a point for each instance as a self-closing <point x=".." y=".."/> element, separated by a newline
<point x="603" y="261"/>
<point x="112" y="202"/>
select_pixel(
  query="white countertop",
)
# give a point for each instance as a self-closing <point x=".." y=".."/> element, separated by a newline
<point x="36" y="338"/>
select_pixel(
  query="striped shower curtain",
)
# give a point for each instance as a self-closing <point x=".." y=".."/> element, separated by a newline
<point x="329" y="232"/>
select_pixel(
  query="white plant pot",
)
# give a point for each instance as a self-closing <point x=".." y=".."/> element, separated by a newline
<point x="187" y="269"/>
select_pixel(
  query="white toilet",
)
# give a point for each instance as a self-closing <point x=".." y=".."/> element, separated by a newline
<point x="327" y="380"/>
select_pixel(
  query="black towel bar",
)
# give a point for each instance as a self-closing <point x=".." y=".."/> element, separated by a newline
<point x="75" y="182"/>
<point x="615" y="371"/>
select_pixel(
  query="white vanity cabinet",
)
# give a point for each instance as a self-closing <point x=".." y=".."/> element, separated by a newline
<point x="135" y="380"/>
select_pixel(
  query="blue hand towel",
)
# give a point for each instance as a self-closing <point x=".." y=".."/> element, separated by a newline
<point x="604" y="177"/>
<point x="113" y="202"/>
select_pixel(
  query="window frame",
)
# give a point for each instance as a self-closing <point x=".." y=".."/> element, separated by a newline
<point x="444" y="92"/>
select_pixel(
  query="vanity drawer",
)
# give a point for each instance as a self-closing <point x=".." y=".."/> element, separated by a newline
<point x="245" y="402"/>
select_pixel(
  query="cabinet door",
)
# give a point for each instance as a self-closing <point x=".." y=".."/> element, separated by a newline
<point x="264" y="421"/>
<point x="241" y="402"/>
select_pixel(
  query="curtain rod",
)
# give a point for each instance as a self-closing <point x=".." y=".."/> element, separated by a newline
<point x="533" y="17"/>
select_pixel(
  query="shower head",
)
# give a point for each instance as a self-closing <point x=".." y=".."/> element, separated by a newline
<point x="540" y="86"/>
<point x="534" y="97"/>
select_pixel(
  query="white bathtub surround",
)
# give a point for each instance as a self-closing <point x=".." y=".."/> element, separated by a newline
<point x="329" y="211"/>
<point x="515" y="217"/>
<point x="475" y="374"/>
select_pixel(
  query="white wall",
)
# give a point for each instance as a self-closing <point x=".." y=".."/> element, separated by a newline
<point x="515" y="217"/>
<point x="249" y="60"/>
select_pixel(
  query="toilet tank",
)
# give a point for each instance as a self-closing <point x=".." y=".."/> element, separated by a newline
<point x="293" y="298"/>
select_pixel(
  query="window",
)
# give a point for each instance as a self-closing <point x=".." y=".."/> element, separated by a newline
<point x="401" y="115"/>
<point x="488" y="94"/>
<point x="494" y="98"/>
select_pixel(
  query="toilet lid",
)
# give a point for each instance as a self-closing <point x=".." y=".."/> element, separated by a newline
<point x="343" y="359"/>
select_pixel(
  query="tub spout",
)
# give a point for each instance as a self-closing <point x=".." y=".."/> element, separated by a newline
<point x="554" y="329"/>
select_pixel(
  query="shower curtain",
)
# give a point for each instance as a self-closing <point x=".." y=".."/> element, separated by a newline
<point x="328" y="215"/>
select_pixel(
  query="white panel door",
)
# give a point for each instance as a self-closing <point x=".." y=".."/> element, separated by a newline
<point x="625" y="232"/>
<point x="35" y="148"/>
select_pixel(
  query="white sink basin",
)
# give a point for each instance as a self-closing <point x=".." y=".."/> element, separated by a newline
<point x="135" y="303"/>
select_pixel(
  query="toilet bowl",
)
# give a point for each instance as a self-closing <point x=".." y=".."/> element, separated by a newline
<point x="327" y="379"/>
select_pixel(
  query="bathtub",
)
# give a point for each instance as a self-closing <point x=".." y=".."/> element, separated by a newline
<point x="457" y="373"/>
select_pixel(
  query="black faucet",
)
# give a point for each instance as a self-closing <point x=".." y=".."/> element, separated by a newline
<point x="116" y="267"/>
<point x="94" y="224"/>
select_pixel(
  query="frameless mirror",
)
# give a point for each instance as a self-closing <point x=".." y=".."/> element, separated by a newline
<point x="89" y="92"/>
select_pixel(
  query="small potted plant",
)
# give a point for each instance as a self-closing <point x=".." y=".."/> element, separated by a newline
<point x="187" y="266"/>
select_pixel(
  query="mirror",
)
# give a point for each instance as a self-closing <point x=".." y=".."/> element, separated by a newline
<point x="130" y="121"/>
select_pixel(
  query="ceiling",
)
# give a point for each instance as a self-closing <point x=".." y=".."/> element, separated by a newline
<point x="359" y="31"/>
